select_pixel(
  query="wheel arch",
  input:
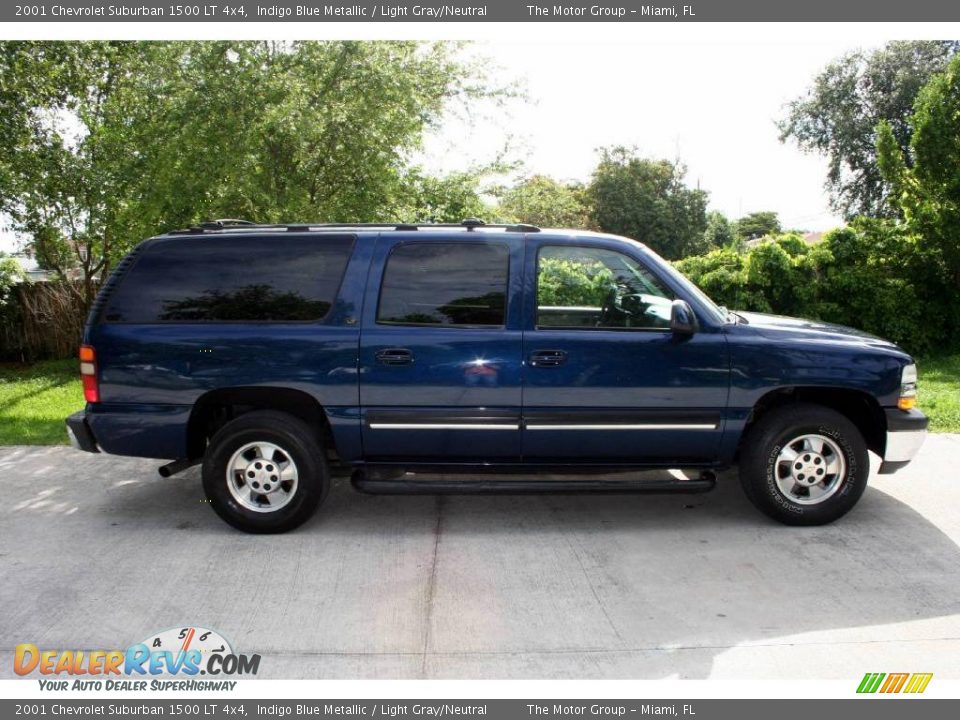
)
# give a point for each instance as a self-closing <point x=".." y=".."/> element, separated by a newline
<point x="861" y="408"/>
<point x="217" y="407"/>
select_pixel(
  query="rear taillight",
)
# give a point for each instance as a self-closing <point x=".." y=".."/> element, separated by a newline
<point x="88" y="374"/>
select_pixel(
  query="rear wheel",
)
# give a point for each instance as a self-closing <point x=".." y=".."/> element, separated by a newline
<point x="804" y="464"/>
<point x="265" y="472"/>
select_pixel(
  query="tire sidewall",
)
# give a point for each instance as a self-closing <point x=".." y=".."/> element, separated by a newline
<point x="312" y="478"/>
<point x="760" y="479"/>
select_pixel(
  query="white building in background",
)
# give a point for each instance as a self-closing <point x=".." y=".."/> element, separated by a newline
<point x="9" y="242"/>
<point x="10" y="245"/>
<point x="30" y="267"/>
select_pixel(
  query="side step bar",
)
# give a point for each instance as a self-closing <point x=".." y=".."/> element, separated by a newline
<point x="474" y="486"/>
<point x="177" y="466"/>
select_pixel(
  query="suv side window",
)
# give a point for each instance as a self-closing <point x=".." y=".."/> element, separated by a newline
<point x="232" y="279"/>
<point x="456" y="284"/>
<point x="595" y="288"/>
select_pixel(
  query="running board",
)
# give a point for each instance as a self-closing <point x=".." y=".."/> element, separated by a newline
<point x="473" y="486"/>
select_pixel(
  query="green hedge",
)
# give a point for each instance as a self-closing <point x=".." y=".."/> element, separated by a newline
<point x="869" y="275"/>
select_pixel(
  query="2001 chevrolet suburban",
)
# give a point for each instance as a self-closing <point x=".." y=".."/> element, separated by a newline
<point x="269" y="353"/>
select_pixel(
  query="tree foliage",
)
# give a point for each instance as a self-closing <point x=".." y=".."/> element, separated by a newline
<point x="876" y="282"/>
<point x="542" y="201"/>
<point x="647" y="200"/>
<point x="11" y="275"/>
<point x="758" y="225"/>
<point x="720" y="231"/>
<point x="442" y="199"/>
<point x="926" y="178"/>
<point x="570" y="282"/>
<point x="320" y="131"/>
<point x="111" y="142"/>
<point x="839" y="114"/>
<point x="774" y="276"/>
<point x="867" y="275"/>
<point x="897" y="278"/>
<point x="57" y="184"/>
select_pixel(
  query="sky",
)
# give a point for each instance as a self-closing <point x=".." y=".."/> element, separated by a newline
<point x="712" y="106"/>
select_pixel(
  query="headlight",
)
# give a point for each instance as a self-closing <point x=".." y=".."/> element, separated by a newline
<point x="908" y="388"/>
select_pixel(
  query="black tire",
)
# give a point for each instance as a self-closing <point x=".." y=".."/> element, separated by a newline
<point x="759" y="466"/>
<point x="297" y="441"/>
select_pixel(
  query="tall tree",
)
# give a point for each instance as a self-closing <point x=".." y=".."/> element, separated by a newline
<point x="926" y="179"/>
<point x="838" y="117"/>
<point x="758" y="224"/>
<point x="647" y="200"/>
<point x="273" y="131"/>
<point x="719" y="232"/>
<point x="57" y="186"/>
<point x="114" y="142"/>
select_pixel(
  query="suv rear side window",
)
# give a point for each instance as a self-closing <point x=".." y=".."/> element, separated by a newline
<point x="452" y="284"/>
<point x="232" y="279"/>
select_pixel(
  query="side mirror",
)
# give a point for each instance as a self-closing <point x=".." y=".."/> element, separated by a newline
<point x="682" y="319"/>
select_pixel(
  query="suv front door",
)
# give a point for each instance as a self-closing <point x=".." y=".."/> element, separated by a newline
<point x="440" y="349"/>
<point x="606" y="380"/>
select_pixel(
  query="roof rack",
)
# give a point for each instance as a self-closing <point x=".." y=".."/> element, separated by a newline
<point x="235" y="224"/>
<point x="225" y="222"/>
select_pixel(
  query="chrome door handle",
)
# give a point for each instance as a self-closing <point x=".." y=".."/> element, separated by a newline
<point x="548" y="358"/>
<point x="394" y="356"/>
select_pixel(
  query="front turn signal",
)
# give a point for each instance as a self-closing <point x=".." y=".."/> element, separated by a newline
<point x="907" y="403"/>
<point x="908" y="388"/>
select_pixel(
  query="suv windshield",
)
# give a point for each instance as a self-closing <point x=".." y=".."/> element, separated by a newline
<point x="719" y="313"/>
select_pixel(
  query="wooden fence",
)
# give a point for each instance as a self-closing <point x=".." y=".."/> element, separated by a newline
<point x="43" y="320"/>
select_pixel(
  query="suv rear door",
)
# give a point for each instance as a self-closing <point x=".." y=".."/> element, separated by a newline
<point x="606" y="380"/>
<point x="440" y="348"/>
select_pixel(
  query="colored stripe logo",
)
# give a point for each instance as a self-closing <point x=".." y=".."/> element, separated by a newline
<point x="894" y="682"/>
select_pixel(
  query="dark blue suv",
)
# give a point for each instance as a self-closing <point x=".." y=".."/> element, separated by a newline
<point x="273" y="353"/>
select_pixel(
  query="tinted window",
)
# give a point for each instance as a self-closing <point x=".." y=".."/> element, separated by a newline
<point x="228" y="279"/>
<point x="585" y="287"/>
<point x="445" y="284"/>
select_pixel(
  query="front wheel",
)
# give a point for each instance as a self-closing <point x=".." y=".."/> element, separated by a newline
<point x="804" y="464"/>
<point x="265" y="472"/>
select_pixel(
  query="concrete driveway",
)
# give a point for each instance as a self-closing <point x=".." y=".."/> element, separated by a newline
<point x="98" y="552"/>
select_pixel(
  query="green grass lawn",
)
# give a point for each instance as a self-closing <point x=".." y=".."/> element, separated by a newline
<point x="939" y="392"/>
<point x="35" y="399"/>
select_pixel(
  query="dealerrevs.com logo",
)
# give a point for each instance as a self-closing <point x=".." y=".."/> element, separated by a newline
<point x="156" y="663"/>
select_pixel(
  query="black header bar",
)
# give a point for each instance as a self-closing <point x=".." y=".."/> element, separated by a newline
<point x="240" y="11"/>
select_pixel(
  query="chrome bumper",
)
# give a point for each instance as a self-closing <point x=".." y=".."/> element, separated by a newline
<point x="906" y="431"/>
